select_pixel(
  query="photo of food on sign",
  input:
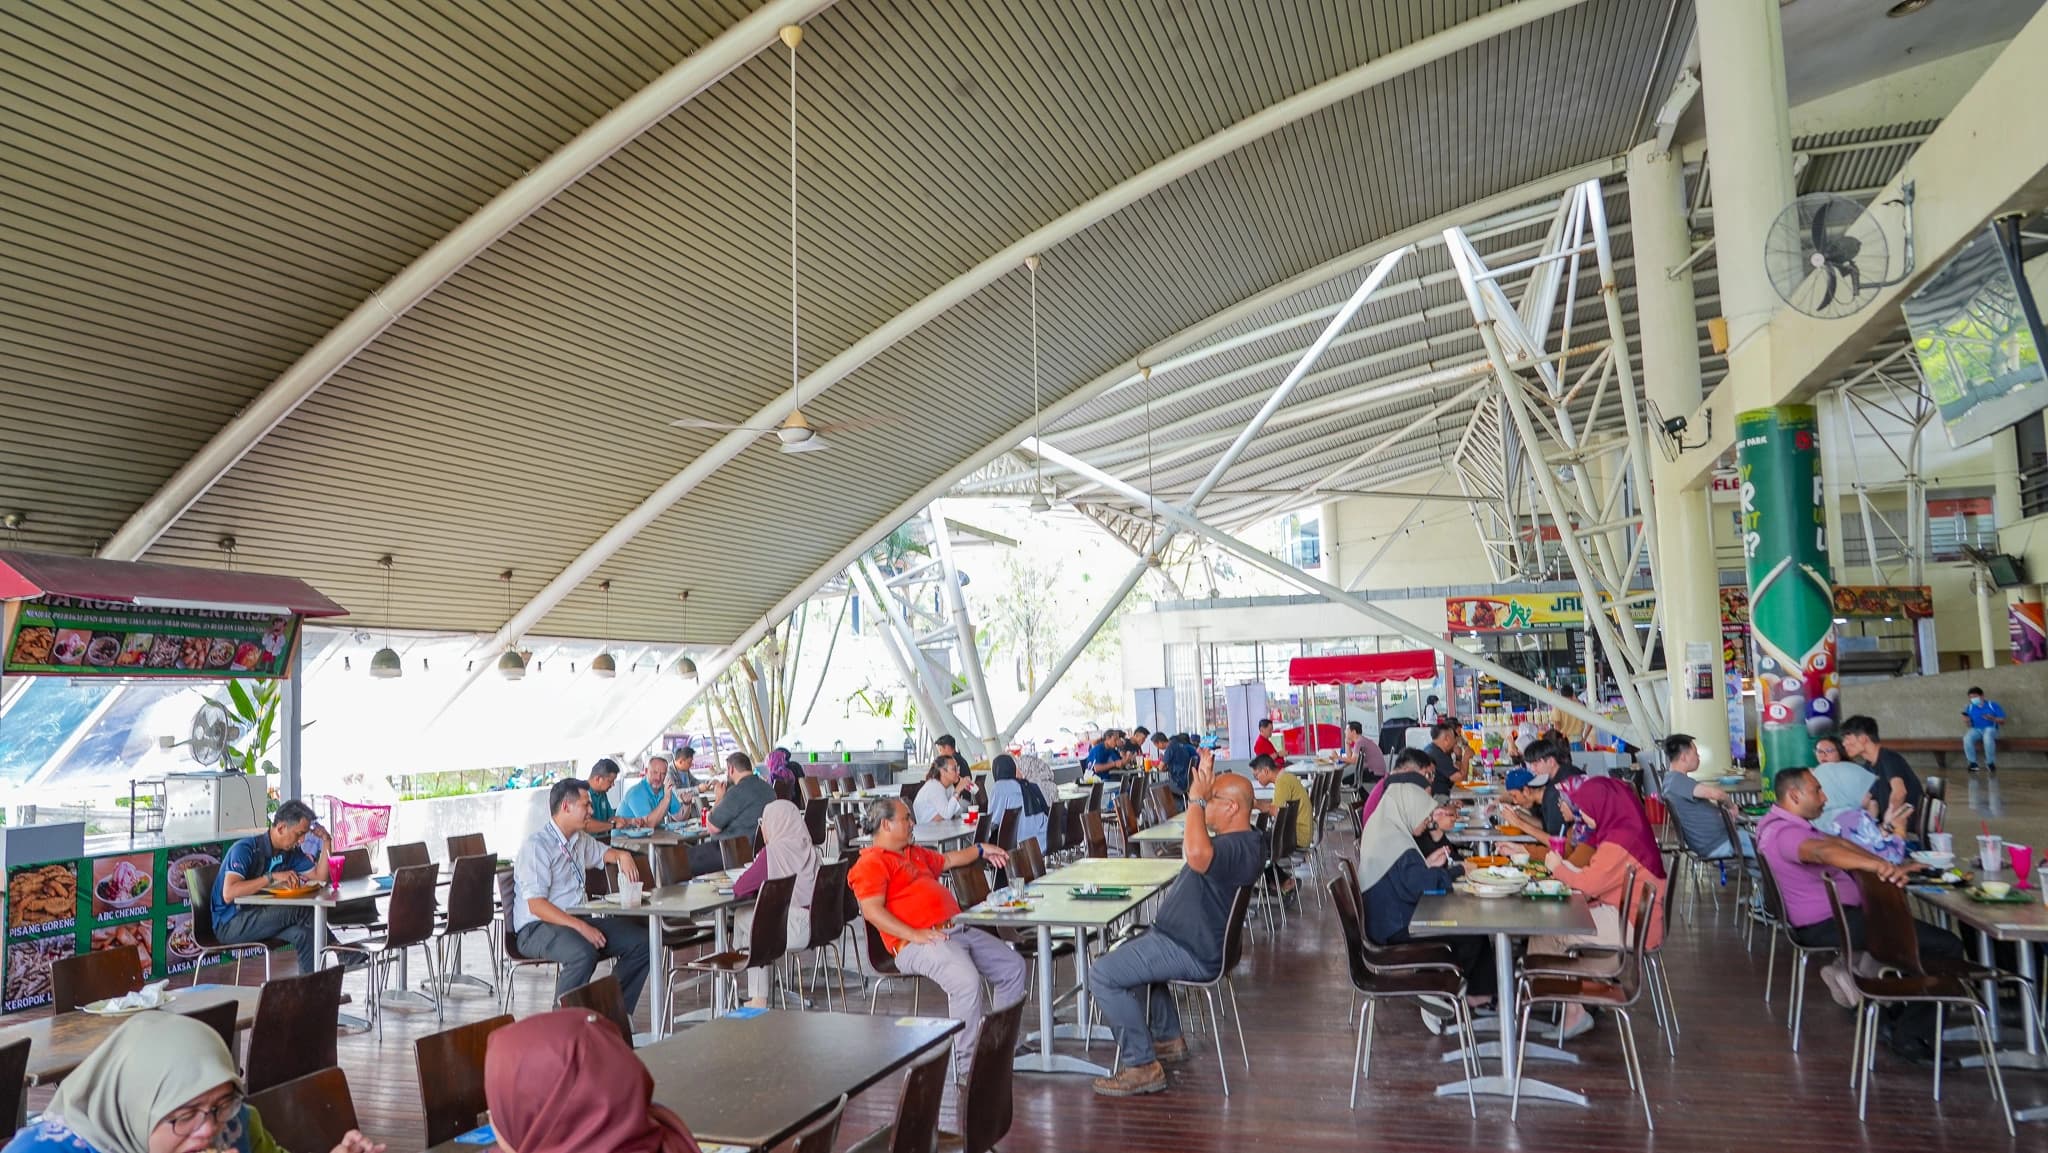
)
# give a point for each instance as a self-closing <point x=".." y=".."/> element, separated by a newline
<point x="179" y="862"/>
<point x="180" y="948"/>
<point x="121" y="887"/>
<point x="71" y="645"/>
<point x="134" y="936"/>
<point x="32" y="645"/>
<point x="28" y="970"/>
<point x="41" y="896"/>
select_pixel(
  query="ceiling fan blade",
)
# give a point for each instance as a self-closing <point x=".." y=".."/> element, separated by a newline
<point x="813" y="444"/>
<point x="862" y="423"/>
<point x="1820" y="226"/>
<point x="1828" y="297"/>
<point x="715" y="425"/>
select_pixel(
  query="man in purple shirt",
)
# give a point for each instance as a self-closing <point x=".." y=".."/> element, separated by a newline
<point x="1801" y="857"/>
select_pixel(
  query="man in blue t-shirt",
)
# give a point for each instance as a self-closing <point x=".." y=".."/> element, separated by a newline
<point x="661" y="795"/>
<point x="1984" y="715"/>
<point x="271" y="858"/>
<point x="1186" y="940"/>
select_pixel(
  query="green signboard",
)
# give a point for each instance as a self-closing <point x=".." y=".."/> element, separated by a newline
<point x="64" y="636"/>
<point x="1791" y="595"/>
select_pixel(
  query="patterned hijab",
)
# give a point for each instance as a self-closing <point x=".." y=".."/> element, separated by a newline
<point x="1004" y="768"/>
<point x="778" y="766"/>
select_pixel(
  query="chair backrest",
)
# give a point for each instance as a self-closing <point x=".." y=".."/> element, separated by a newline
<point x="1345" y="896"/>
<point x="1127" y="817"/>
<point x="1160" y="799"/>
<point x="403" y="856"/>
<point x="1097" y="837"/>
<point x="849" y="829"/>
<point x="596" y="883"/>
<point x="310" y="1112"/>
<point x="1774" y="901"/>
<point x="820" y="1135"/>
<point x="410" y="915"/>
<point x="603" y="998"/>
<point x="768" y="940"/>
<point x="828" y="903"/>
<point x="668" y="864"/>
<point x="1934" y="787"/>
<point x="87" y="977"/>
<point x="469" y="893"/>
<point x="1348" y="866"/>
<point x="453" y="1096"/>
<point x="1233" y="931"/>
<point x="985" y="1105"/>
<point x="220" y="1017"/>
<point x="909" y="791"/>
<point x="880" y="959"/>
<point x="1847" y="947"/>
<point x="813" y="787"/>
<point x="1932" y="818"/>
<point x="355" y="864"/>
<point x="508" y="892"/>
<point x="868" y="781"/>
<point x="970" y="884"/>
<point x="917" y="1108"/>
<point x="1006" y="833"/>
<point x="611" y="870"/>
<point x="1073" y="814"/>
<point x="1888" y="932"/>
<point x="817" y="816"/>
<point x="1055" y="827"/>
<point x="1733" y="830"/>
<point x="199" y="881"/>
<point x="465" y="845"/>
<point x="1095" y="795"/>
<point x="1289" y="839"/>
<point x="14" y="1084"/>
<point x="786" y="791"/>
<point x="1639" y="944"/>
<point x="736" y="852"/>
<point x="293" y="1033"/>
<point x="1026" y="863"/>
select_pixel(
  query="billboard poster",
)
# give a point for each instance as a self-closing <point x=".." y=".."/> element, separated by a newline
<point x="42" y="929"/>
<point x="2028" y="624"/>
<point x="1510" y="612"/>
<point x="65" y="636"/>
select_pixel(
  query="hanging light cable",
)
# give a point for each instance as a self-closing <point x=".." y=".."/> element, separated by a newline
<point x="1151" y="485"/>
<point x="793" y="35"/>
<point x="603" y="667"/>
<point x="1039" y="501"/>
<point x="385" y="665"/>
<point x="685" y="665"/>
<point x="511" y="666"/>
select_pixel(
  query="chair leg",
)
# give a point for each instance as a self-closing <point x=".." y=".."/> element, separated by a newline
<point x="1466" y="1055"/>
<point x="1670" y="1001"/>
<point x="1222" y="1062"/>
<point x="1771" y="966"/>
<point x="1361" y="1055"/>
<point x="1521" y="1050"/>
<point x="1870" y="1031"/>
<point x="1237" y="1019"/>
<point x="1797" y="1000"/>
<point x="1634" y="1058"/>
<point x="1983" y="1022"/>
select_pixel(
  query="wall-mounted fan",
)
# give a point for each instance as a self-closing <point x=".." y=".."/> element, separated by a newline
<point x="1828" y="256"/>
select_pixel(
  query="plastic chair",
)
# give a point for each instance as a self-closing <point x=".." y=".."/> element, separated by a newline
<point x="294" y="1029"/>
<point x="916" y="1127"/>
<point x="311" y="1112"/>
<point x="453" y="1097"/>
<point x="602" y="997"/>
<point x="199" y="881"/>
<point x="90" y="977"/>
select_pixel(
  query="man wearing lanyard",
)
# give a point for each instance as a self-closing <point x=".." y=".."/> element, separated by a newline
<point x="549" y="877"/>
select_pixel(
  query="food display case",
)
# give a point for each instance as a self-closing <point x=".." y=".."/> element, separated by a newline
<point x="83" y="618"/>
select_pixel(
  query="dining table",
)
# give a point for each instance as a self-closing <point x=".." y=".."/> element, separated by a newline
<point x="2025" y="924"/>
<point x="754" y="1078"/>
<point x="61" y="1042"/>
<point x="1168" y="832"/>
<point x="1459" y="913"/>
<point x="695" y="898"/>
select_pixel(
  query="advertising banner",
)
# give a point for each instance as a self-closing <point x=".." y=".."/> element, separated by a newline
<point x="42" y="929"/>
<point x="2028" y="622"/>
<point x="1791" y="591"/>
<point x="63" y="636"/>
<point x="1509" y="612"/>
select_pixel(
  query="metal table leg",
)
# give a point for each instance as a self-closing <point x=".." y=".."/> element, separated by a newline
<point x="347" y="1021"/>
<point x="1503" y="1083"/>
<point x="1044" y="1060"/>
<point x="657" y="981"/>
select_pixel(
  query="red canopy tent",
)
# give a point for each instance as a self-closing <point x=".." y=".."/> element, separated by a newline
<point x="1349" y="669"/>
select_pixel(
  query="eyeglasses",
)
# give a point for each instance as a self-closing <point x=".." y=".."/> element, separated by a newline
<point x="184" y="1121"/>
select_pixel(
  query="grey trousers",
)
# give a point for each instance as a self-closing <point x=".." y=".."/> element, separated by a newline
<point x="959" y="964"/>
<point x="1120" y="981"/>
<point x="253" y="923"/>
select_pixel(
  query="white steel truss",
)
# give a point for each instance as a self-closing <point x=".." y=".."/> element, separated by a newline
<point x="1560" y="447"/>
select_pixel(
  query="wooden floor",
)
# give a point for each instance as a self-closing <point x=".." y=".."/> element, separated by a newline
<point x="1733" y="1079"/>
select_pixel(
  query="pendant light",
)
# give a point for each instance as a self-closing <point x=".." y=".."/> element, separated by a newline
<point x="385" y="665"/>
<point x="1039" y="503"/>
<point x="686" y="666"/>
<point x="511" y="666"/>
<point x="603" y="667"/>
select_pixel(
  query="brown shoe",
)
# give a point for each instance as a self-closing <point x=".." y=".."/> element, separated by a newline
<point x="1174" y="1052"/>
<point x="1132" y="1081"/>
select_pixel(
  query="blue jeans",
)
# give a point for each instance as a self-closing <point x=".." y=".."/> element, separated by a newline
<point x="1988" y="738"/>
<point x="1127" y="977"/>
<point x="1721" y="850"/>
<point x="253" y="923"/>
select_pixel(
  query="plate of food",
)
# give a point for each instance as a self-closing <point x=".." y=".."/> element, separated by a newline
<point x="1487" y="862"/>
<point x="1934" y="860"/>
<point x="292" y="892"/>
<point x="111" y="1007"/>
<point x="1548" y="889"/>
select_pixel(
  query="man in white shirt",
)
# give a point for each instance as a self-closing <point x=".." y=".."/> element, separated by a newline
<point x="944" y="795"/>
<point x="548" y="874"/>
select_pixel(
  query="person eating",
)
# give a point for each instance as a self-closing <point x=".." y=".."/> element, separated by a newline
<point x="603" y="817"/>
<point x="1395" y="875"/>
<point x="661" y="795"/>
<point x="161" y="1083"/>
<point x="1897" y="783"/>
<point x="566" y="1082"/>
<point x="548" y="880"/>
<point x="1411" y="767"/>
<point x="786" y="851"/>
<point x="1186" y="939"/>
<point x="1444" y="739"/>
<point x="902" y="894"/>
<point x="271" y="859"/>
<point x="1264" y="746"/>
<point x="1007" y="791"/>
<point x="1619" y="832"/>
<point x="943" y="796"/>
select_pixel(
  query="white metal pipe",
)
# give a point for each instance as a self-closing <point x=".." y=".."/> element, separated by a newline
<point x="1263" y="560"/>
<point x="912" y="682"/>
<point x="963" y="634"/>
<point x="1074" y="651"/>
<point x="1987" y="637"/>
<point x="448" y="255"/>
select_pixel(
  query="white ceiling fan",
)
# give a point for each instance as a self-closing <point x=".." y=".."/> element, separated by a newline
<point x="796" y="433"/>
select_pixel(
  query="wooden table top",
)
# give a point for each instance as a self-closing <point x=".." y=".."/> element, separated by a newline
<point x="1461" y="913"/>
<point x="754" y="1081"/>
<point x="60" y="1043"/>
<point x="1114" y="871"/>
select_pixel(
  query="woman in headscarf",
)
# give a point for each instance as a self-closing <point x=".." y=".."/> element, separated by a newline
<point x="1395" y="874"/>
<point x="1611" y="819"/>
<point x="565" y="1082"/>
<point x="1006" y="791"/>
<point x="786" y="851"/>
<point x="1411" y="766"/>
<point x="782" y="767"/>
<point x="162" y="1083"/>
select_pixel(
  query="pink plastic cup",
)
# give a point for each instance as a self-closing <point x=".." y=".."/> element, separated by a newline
<point x="2022" y="864"/>
<point x="1557" y="845"/>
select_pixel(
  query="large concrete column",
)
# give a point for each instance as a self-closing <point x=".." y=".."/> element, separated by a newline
<point x="1688" y="584"/>
<point x="1749" y="153"/>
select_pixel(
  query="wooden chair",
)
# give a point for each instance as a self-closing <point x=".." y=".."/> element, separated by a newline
<point x="1055" y="829"/>
<point x="786" y="791"/>
<point x="1006" y="832"/>
<point x="361" y="914"/>
<point x="916" y="1128"/>
<point x="407" y="855"/>
<point x="410" y="922"/>
<point x="466" y="845"/>
<point x="670" y="865"/>
<point x="470" y="910"/>
<point x="909" y="791"/>
<point x="1026" y="863"/>
<point x="817" y="817"/>
<point x="868" y="781"/>
<point x="848" y="822"/>
<point x="813" y="788"/>
<point x="199" y="881"/>
<point x="221" y="1018"/>
<point x="767" y="941"/>
<point x="882" y="968"/>
<point x="510" y="959"/>
<point x="1233" y="950"/>
<point x="1127" y="822"/>
<point x="14" y="1082"/>
<point x="603" y="998"/>
<point x="453" y="1097"/>
<point x="89" y="977"/>
<point x="985" y="1103"/>
<point x="310" y="1112"/>
<point x="736" y="852"/>
<point x="820" y="1135"/>
<point x="293" y="1034"/>
<point x="829" y="920"/>
<point x="1097" y="837"/>
<point x="1074" y="814"/>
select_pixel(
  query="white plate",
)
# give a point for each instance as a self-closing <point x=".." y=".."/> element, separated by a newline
<point x="99" y="1008"/>
<point x="1935" y="860"/>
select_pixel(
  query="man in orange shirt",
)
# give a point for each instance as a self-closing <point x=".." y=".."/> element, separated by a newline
<point x="903" y="897"/>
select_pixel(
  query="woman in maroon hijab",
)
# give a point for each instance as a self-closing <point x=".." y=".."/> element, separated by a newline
<point x="565" y="1082"/>
<point x="1613" y="822"/>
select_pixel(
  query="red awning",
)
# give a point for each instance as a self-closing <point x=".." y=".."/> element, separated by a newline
<point x="25" y="575"/>
<point x="1363" y="668"/>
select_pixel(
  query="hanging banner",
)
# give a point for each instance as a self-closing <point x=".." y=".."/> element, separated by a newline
<point x="2028" y="622"/>
<point x="1791" y="593"/>
<point x="58" y="635"/>
<point x="1913" y="602"/>
<point x="1509" y="612"/>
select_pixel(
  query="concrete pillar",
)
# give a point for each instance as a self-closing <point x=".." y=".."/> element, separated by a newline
<point x="1987" y="633"/>
<point x="2005" y="478"/>
<point x="1833" y="423"/>
<point x="1749" y="152"/>
<point x="1326" y="517"/>
<point x="1688" y="583"/>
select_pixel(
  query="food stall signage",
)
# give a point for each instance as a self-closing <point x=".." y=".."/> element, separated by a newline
<point x="68" y="636"/>
<point x="1508" y="612"/>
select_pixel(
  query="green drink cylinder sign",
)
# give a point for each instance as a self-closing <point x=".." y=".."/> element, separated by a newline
<point x="1791" y="593"/>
